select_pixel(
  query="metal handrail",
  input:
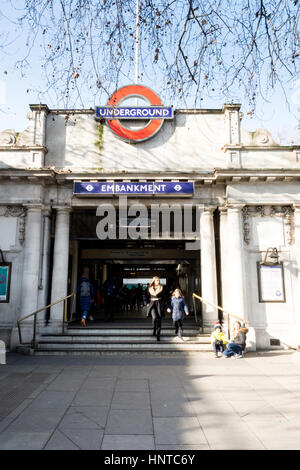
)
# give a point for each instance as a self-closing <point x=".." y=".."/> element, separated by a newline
<point x="64" y="319"/>
<point x="229" y="314"/>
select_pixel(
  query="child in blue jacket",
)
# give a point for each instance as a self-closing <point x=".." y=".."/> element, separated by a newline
<point x="179" y="310"/>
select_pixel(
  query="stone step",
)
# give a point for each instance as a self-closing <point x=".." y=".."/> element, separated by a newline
<point x="97" y="339"/>
<point x="84" y="332"/>
<point x="121" y="337"/>
<point x="161" y="346"/>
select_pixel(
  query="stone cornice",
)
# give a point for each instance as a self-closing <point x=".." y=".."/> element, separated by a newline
<point x="31" y="174"/>
<point x="242" y="147"/>
<point x="217" y="176"/>
<point x="39" y="107"/>
<point x="23" y="148"/>
<point x="256" y="176"/>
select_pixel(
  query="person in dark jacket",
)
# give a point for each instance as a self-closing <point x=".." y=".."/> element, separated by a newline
<point x="85" y="291"/>
<point x="156" y="305"/>
<point x="179" y="309"/>
<point x="111" y="289"/>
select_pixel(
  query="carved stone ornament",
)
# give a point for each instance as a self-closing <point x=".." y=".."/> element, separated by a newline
<point x="12" y="211"/>
<point x="289" y="224"/>
<point x="16" y="211"/>
<point x="8" y="137"/>
<point x="263" y="139"/>
<point x="246" y="225"/>
<point x="22" y="229"/>
<point x="269" y="211"/>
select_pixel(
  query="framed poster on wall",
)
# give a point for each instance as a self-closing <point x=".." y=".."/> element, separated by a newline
<point x="5" y="275"/>
<point x="270" y="282"/>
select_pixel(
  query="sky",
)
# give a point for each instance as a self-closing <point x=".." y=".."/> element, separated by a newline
<point x="279" y="114"/>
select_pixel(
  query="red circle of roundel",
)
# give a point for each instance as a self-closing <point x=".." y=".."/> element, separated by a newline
<point x="140" y="134"/>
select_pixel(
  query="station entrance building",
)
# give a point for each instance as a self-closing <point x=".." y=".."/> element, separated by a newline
<point x="203" y="204"/>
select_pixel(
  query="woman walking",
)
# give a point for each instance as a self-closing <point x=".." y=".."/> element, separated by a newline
<point x="156" y="305"/>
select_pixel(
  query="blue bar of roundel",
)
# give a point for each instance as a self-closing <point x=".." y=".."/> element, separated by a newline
<point x="177" y="188"/>
<point x="154" y="112"/>
<point x="120" y="187"/>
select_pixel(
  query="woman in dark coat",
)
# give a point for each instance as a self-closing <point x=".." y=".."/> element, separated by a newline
<point x="157" y="303"/>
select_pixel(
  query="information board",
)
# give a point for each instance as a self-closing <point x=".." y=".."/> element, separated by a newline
<point x="271" y="283"/>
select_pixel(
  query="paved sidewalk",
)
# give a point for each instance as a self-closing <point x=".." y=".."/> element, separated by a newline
<point x="150" y="403"/>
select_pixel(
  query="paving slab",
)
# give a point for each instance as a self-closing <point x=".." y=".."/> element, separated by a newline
<point x="86" y="417"/>
<point x="233" y="435"/>
<point x="171" y="407"/>
<point x="134" y="385"/>
<point x="183" y="447"/>
<point x="16" y="440"/>
<point x="94" y="383"/>
<point x="276" y="433"/>
<point x="163" y="403"/>
<point x="131" y="401"/>
<point x="5" y="422"/>
<point x="128" y="442"/>
<point x="37" y="420"/>
<point x="94" y="397"/>
<point x="59" y="441"/>
<point x="122" y="422"/>
<point x="50" y="399"/>
<point x="178" y="430"/>
<point x="85" y="439"/>
<point x="104" y="371"/>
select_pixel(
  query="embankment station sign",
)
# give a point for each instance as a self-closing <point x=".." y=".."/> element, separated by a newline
<point x="154" y="114"/>
<point x="140" y="188"/>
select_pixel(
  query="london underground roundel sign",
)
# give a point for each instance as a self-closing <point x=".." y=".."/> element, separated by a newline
<point x="152" y="115"/>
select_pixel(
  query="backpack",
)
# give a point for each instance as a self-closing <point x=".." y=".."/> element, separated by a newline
<point x="85" y="290"/>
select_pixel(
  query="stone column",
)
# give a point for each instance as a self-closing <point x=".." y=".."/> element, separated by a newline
<point x="45" y="260"/>
<point x="30" y="274"/>
<point x="235" y="266"/>
<point x="31" y="263"/>
<point x="296" y="256"/>
<point x="60" y="265"/>
<point x="208" y="267"/>
<point x="224" y="252"/>
<point x="74" y="281"/>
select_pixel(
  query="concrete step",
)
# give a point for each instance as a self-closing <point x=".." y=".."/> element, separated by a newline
<point x="97" y="339"/>
<point x="84" y="332"/>
<point x="123" y="347"/>
<point x="65" y="344"/>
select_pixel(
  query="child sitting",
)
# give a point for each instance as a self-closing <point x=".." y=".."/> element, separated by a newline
<point x="218" y="339"/>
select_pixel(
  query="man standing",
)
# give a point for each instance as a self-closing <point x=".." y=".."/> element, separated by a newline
<point x="85" y="291"/>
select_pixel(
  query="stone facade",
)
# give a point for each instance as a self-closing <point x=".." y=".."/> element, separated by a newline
<point x="245" y="180"/>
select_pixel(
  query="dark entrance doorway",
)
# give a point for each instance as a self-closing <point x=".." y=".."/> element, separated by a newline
<point x="132" y="265"/>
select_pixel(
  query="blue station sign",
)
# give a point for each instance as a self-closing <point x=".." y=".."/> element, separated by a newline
<point x="146" y="112"/>
<point x="156" y="188"/>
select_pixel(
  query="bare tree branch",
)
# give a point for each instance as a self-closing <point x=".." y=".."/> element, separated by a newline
<point x="189" y="48"/>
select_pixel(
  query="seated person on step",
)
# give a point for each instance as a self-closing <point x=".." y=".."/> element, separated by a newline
<point x="237" y="345"/>
<point x="218" y="339"/>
